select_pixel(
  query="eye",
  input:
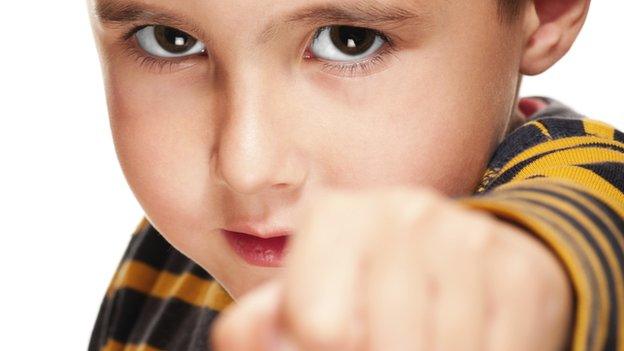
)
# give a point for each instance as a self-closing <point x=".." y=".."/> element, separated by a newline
<point x="346" y="43"/>
<point x="163" y="41"/>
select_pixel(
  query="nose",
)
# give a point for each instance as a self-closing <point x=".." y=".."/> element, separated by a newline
<point x="254" y="150"/>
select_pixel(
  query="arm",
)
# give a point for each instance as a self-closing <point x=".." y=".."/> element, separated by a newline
<point x="562" y="179"/>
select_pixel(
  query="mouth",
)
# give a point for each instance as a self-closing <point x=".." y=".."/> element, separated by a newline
<point x="265" y="251"/>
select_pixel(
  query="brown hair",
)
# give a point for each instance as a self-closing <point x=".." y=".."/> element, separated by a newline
<point x="510" y="9"/>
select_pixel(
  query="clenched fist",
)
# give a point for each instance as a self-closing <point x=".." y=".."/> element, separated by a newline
<point x="403" y="269"/>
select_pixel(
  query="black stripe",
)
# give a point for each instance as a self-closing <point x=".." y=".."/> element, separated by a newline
<point x="151" y="248"/>
<point x="519" y="140"/>
<point x="563" y="127"/>
<point x="618" y="136"/>
<point x="169" y="324"/>
<point x="513" y="171"/>
<point x="593" y="312"/>
<point x="100" y="329"/>
<point x="612" y="332"/>
<point x="611" y="238"/>
<point x="619" y="221"/>
<point x="612" y="172"/>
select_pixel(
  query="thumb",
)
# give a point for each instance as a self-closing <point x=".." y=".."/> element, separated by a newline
<point x="251" y="323"/>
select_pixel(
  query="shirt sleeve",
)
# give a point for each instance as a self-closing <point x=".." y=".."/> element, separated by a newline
<point x="563" y="180"/>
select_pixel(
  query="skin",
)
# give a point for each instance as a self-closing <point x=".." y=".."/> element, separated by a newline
<point x="256" y="132"/>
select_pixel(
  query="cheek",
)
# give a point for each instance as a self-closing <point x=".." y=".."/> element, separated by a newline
<point x="413" y="125"/>
<point x="458" y="103"/>
<point x="162" y="141"/>
<point x="433" y="118"/>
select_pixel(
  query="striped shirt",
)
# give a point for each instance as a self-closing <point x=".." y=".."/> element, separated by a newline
<point x="560" y="175"/>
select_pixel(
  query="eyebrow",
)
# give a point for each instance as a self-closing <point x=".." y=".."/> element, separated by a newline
<point x="116" y="12"/>
<point x="363" y="12"/>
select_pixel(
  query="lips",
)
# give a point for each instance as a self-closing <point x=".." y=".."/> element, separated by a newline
<point x="266" y="249"/>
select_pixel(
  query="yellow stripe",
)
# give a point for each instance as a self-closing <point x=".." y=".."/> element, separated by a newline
<point x="488" y="176"/>
<point x="618" y="235"/>
<point x="142" y="224"/>
<point x="517" y="212"/>
<point x="615" y="266"/>
<point x="556" y="145"/>
<point x="589" y="253"/>
<point x="570" y="158"/>
<point x="599" y="129"/>
<point x="605" y="246"/>
<point x="591" y="179"/>
<point x="585" y="180"/>
<point x="113" y="345"/>
<point x="162" y="284"/>
<point x="541" y="127"/>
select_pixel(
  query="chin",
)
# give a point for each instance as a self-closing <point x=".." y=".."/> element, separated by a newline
<point x="244" y="280"/>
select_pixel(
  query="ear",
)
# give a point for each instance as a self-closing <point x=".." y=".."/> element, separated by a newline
<point x="551" y="26"/>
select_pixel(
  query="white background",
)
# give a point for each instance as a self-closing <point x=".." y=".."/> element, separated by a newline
<point x="66" y="212"/>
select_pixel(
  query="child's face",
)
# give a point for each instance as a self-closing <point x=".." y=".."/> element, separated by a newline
<point x="248" y="130"/>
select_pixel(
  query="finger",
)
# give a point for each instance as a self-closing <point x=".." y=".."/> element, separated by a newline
<point x="458" y="258"/>
<point x="399" y="304"/>
<point x="323" y="270"/>
<point x="251" y="324"/>
<point x="401" y="288"/>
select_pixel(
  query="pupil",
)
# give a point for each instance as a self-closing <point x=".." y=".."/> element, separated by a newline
<point x="352" y="40"/>
<point x="173" y="40"/>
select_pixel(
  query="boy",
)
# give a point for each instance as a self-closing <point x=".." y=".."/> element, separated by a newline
<point x="356" y="131"/>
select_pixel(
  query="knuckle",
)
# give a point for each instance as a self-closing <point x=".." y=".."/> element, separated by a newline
<point x="424" y="192"/>
<point x="317" y="330"/>
<point x="474" y="234"/>
<point x="420" y="200"/>
<point x="411" y="208"/>
<point x="484" y="236"/>
<point x="314" y="324"/>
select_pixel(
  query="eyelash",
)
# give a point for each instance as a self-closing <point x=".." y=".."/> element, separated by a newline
<point x="147" y="61"/>
<point x="364" y="67"/>
<point x="351" y="69"/>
